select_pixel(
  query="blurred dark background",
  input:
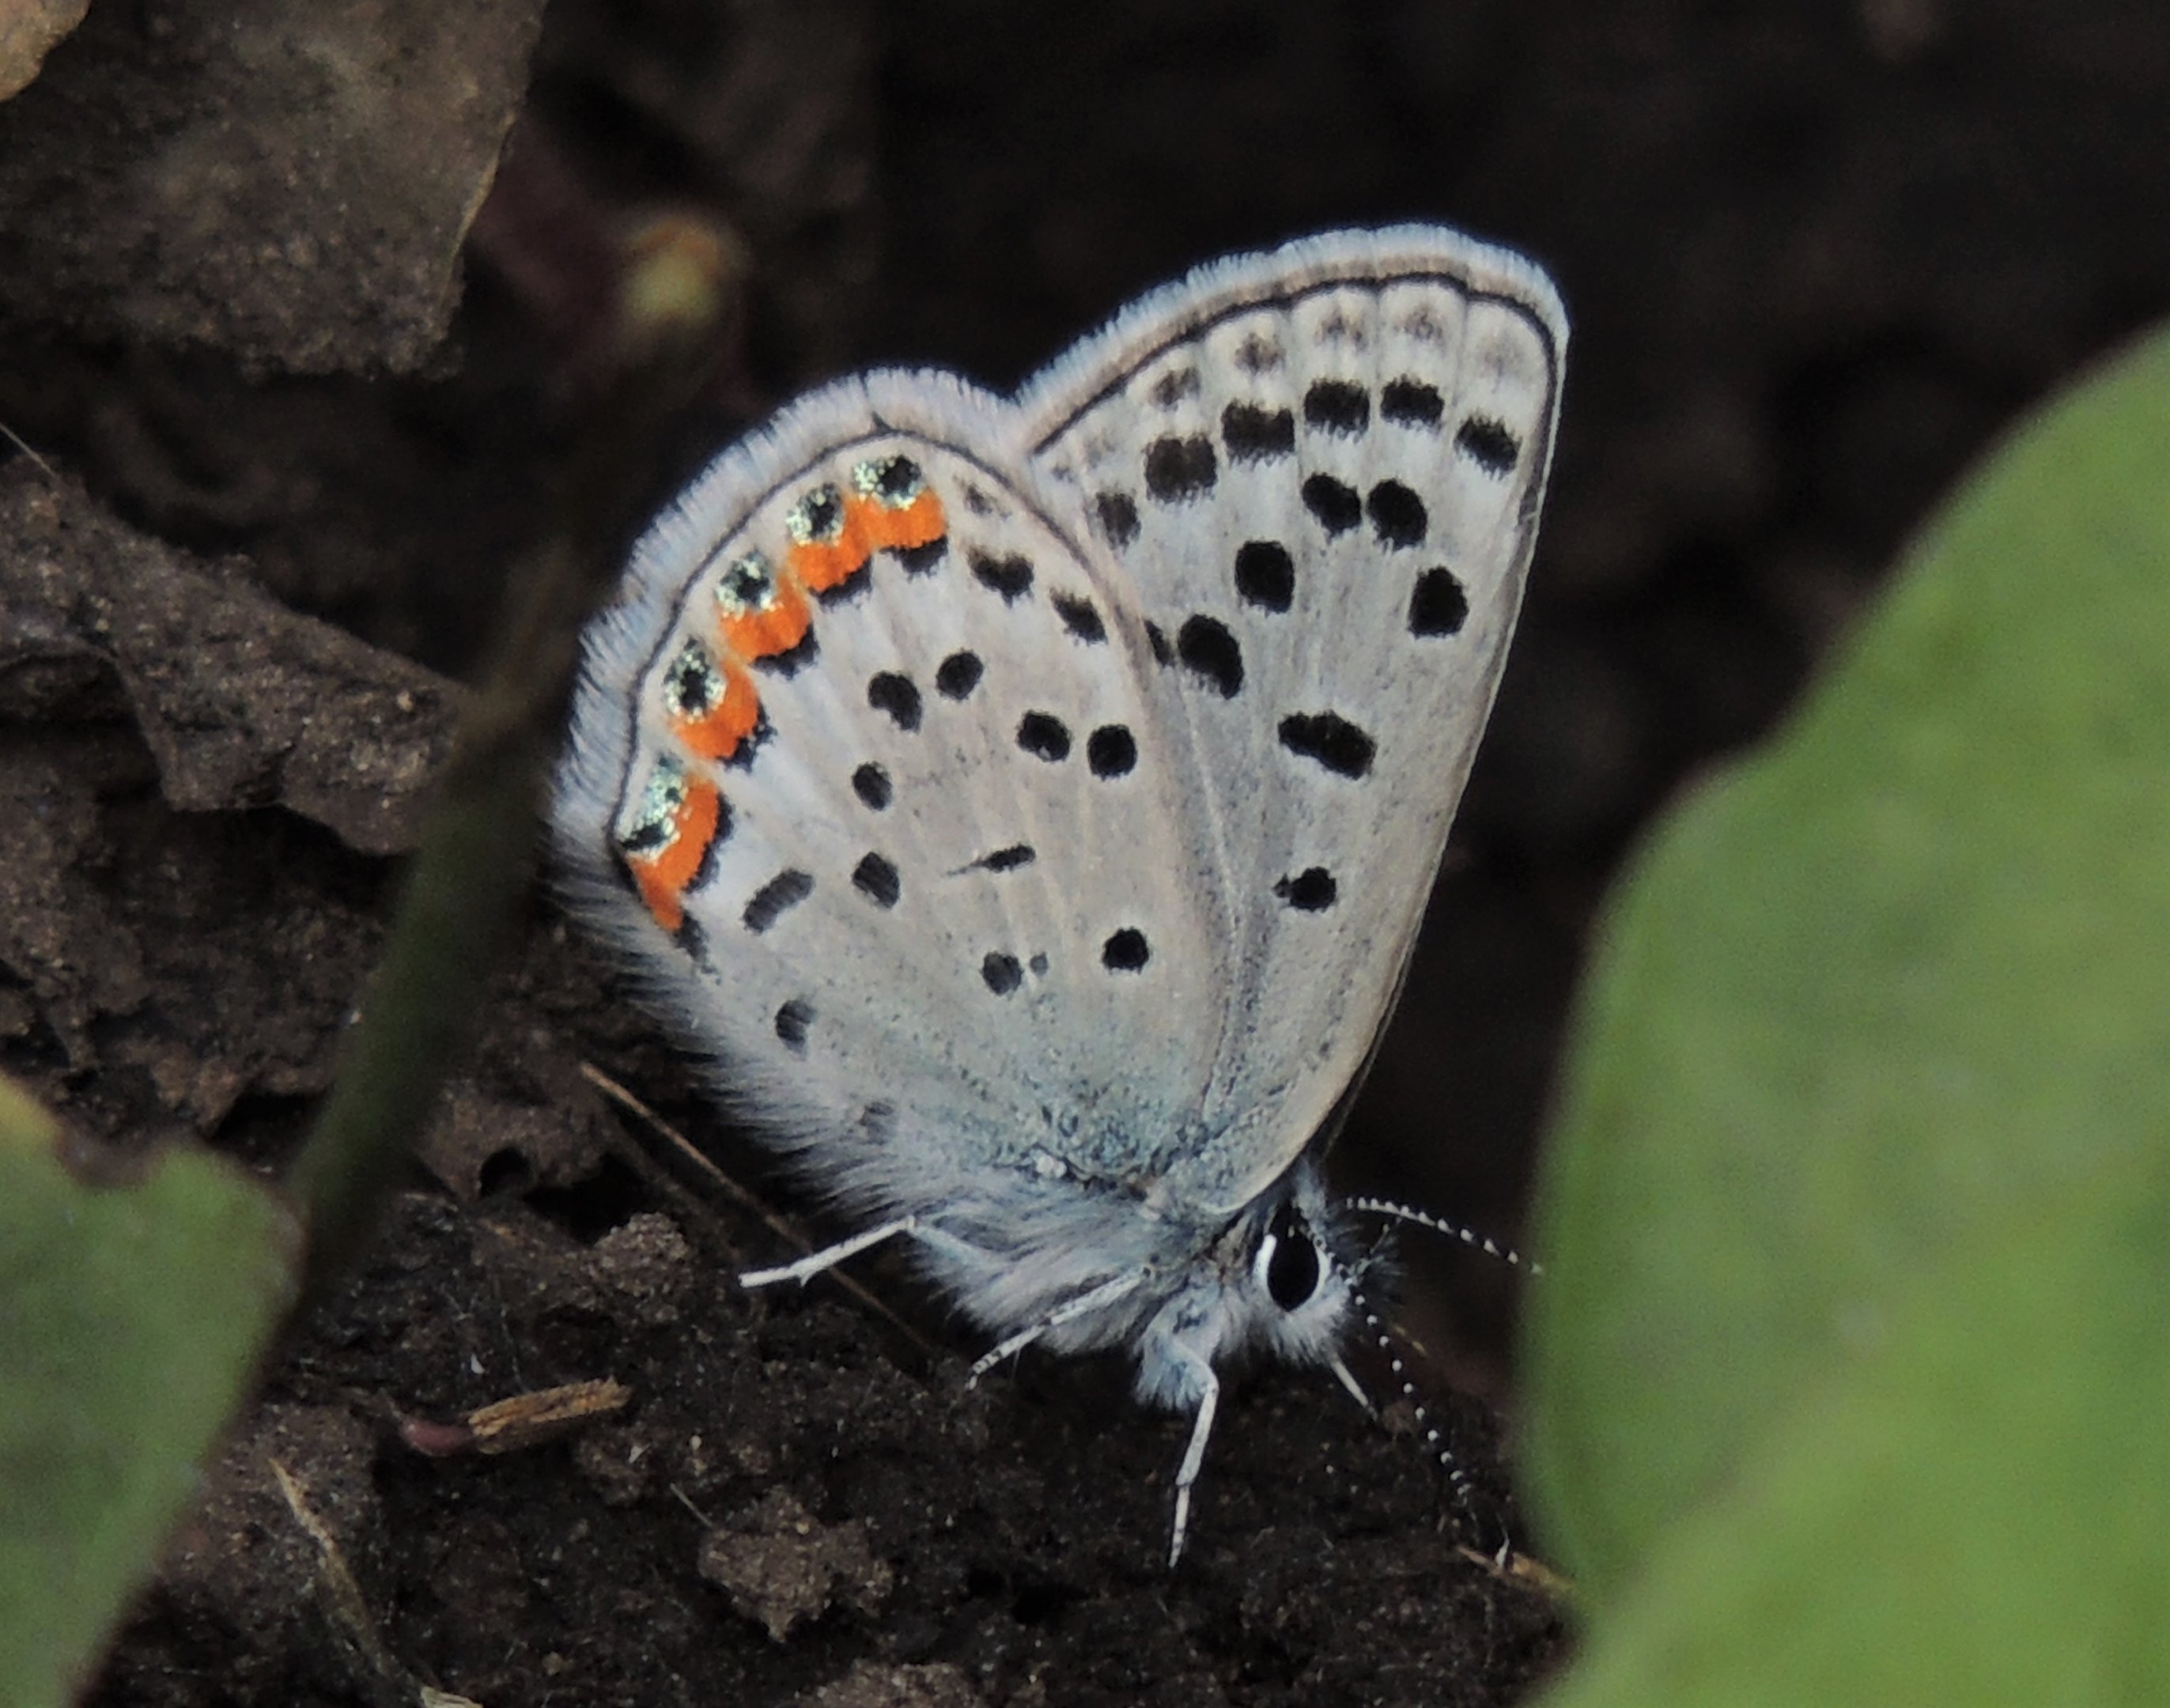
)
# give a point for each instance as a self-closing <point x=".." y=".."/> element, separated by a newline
<point x="1818" y="255"/>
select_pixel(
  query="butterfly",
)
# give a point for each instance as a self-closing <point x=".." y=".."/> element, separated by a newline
<point x="1028" y="804"/>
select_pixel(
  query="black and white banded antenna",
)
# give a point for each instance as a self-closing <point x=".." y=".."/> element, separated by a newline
<point x="1393" y="1349"/>
<point x="1453" y="1231"/>
<point x="1434" y="1439"/>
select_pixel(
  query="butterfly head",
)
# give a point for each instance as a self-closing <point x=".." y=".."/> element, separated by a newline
<point x="1284" y="1278"/>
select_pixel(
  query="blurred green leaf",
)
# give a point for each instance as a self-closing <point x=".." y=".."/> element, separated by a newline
<point x="1977" y="1512"/>
<point x="1903" y="978"/>
<point x="131" y="1316"/>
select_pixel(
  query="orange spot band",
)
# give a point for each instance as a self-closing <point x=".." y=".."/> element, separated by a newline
<point x="717" y="732"/>
<point x="762" y="634"/>
<point x="915" y="525"/>
<point x="662" y="876"/>
<point x="824" y="565"/>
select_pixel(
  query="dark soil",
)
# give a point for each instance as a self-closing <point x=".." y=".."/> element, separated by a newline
<point x="1818" y="257"/>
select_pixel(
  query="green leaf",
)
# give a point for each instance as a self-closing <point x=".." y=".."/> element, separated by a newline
<point x="131" y="1317"/>
<point x="1978" y="1511"/>
<point x="1903" y="978"/>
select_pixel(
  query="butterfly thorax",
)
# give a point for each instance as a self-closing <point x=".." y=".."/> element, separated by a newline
<point x="1102" y="1268"/>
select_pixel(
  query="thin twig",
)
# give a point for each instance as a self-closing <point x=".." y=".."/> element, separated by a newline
<point x="751" y="1202"/>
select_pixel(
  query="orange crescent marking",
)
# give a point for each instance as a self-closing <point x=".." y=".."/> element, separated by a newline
<point x="663" y="876"/>
<point x="661" y="899"/>
<point x="717" y="732"/>
<point x="822" y="566"/>
<point x="914" y="525"/>
<point x="869" y="525"/>
<point x="762" y="634"/>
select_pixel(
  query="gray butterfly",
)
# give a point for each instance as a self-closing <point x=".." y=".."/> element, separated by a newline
<point x="1030" y="804"/>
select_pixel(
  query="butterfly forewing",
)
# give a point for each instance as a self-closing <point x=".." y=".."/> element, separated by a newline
<point x="1320" y="471"/>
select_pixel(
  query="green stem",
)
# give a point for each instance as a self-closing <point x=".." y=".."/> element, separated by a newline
<point x="464" y="888"/>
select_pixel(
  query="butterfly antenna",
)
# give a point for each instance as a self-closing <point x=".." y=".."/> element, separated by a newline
<point x="1382" y="1337"/>
<point x="1453" y="1231"/>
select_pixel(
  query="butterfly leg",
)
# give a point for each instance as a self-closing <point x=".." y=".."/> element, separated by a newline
<point x="1082" y="1305"/>
<point x="1194" y="1456"/>
<point x="1347" y="1378"/>
<point x="814" y="1262"/>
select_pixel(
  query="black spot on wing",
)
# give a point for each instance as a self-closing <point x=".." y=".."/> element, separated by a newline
<point x="1336" y="406"/>
<point x="922" y="560"/>
<point x="1411" y="403"/>
<point x="1000" y="973"/>
<point x="894" y="693"/>
<point x="1044" y="736"/>
<point x="1119" y="517"/>
<point x="958" y="674"/>
<point x="1111" y="751"/>
<point x="1009" y="575"/>
<point x="1126" y="951"/>
<point x="1265" y="574"/>
<point x="871" y="784"/>
<point x="777" y="898"/>
<point x="1207" y="649"/>
<point x="876" y="879"/>
<point x="1438" y="605"/>
<point x="1255" y="434"/>
<point x="792" y="1021"/>
<point x="1329" y="740"/>
<point x="1178" y="470"/>
<point x="1490" y="444"/>
<point x="1334" y="502"/>
<point x="1312" y="890"/>
<point x="1009" y="859"/>
<point x="1397" y="515"/>
<point x="1081" y="617"/>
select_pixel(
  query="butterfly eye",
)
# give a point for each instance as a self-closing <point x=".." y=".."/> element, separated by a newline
<point x="817" y="519"/>
<point x="1290" y="1258"/>
<point x="891" y="481"/>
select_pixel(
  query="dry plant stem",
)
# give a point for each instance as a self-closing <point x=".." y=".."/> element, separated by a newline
<point x="701" y="1163"/>
<point x="474" y="861"/>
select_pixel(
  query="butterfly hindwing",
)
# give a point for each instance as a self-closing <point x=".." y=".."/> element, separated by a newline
<point x="939" y="920"/>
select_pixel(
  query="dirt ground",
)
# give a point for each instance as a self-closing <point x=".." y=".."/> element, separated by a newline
<point x="1817" y="256"/>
